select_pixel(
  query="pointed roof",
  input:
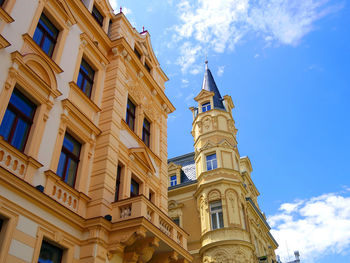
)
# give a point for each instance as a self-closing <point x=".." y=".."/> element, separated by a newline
<point x="210" y="85"/>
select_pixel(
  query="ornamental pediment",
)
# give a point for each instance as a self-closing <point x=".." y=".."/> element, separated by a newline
<point x="142" y="157"/>
<point x="204" y="94"/>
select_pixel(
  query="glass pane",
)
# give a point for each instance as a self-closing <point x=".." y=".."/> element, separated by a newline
<point x="131" y="107"/>
<point x="48" y="46"/>
<point x="80" y="81"/>
<point x="71" y="169"/>
<point x="87" y="69"/>
<point x="215" y="165"/>
<point x="221" y="220"/>
<point x="214" y="221"/>
<point x="6" y="124"/>
<point x="50" y="253"/>
<point x="48" y="26"/>
<point x="72" y="145"/>
<point x="209" y="167"/>
<point x="20" y="135"/>
<point x="22" y="104"/>
<point x="87" y="88"/>
<point x="61" y="163"/>
<point x="38" y="35"/>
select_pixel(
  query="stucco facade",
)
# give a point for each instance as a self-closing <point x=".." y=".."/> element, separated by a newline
<point x="93" y="83"/>
<point x="214" y="198"/>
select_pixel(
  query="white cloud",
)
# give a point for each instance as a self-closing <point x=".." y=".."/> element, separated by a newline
<point x="316" y="227"/>
<point x="220" y="71"/>
<point x="220" y="25"/>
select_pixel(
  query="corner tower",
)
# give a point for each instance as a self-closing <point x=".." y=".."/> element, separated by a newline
<point x="225" y="195"/>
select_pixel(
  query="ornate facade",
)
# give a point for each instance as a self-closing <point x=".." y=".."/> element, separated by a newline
<point x="83" y="150"/>
<point x="211" y="192"/>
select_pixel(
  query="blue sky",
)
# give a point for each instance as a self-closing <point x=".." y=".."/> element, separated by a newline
<point x="286" y="64"/>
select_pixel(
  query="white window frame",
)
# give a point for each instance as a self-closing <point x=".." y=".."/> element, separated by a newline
<point x="206" y="106"/>
<point x="212" y="164"/>
<point x="216" y="210"/>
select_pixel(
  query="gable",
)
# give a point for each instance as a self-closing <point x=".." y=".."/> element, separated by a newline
<point x="142" y="157"/>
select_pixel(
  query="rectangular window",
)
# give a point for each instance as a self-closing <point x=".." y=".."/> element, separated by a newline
<point x="146" y="132"/>
<point x="216" y="217"/>
<point x="69" y="160"/>
<point x="211" y="162"/>
<point x="138" y="54"/>
<point x="206" y="107"/>
<point x="1" y="223"/>
<point x="134" y="189"/>
<point x="50" y="253"/>
<point x="176" y="221"/>
<point x="130" y="114"/>
<point x="173" y="180"/>
<point x="18" y="119"/>
<point x="97" y="15"/>
<point x="86" y="78"/>
<point x="117" y="183"/>
<point x="45" y="35"/>
<point x="148" y="68"/>
<point x="2" y="2"/>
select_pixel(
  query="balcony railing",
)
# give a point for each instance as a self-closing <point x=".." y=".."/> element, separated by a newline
<point x="140" y="206"/>
<point x="17" y="162"/>
<point x="64" y="194"/>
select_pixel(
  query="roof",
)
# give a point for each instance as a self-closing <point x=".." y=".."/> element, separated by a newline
<point x="210" y="85"/>
<point x="188" y="170"/>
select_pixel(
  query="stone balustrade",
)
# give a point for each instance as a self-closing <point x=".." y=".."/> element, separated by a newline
<point x="140" y="206"/>
<point x="64" y="194"/>
<point x="17" y="162"/>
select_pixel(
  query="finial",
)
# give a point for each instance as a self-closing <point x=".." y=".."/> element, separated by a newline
<point x="143" y="29"/>
<point x="206" y="62"/>
<point x="121" y="10"/>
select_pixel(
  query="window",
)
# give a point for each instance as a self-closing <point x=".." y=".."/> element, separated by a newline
<point x="1" y="223"/>
<point x="117" y="183"/>
<point x="45" y="35"/>
<point x="211" y="162"/>
<point x="217" y="220"/>
<point x="206" y="107"/>
<point x="130" y="114"/>
<point x="97" y="15"/>
<point x="146" y="132"/>
<point x="173" y="180"/>
<point x="50" y="253"/>
<point x="86" y="78"/>
<point x="2" y="2"/>
<point x="18" y="119"/>
<point x="134" y="189"/>
<point x="176" y="221"/>
<point x="138" y="54"/>
<point x="148" y="68"/>
<point x="151" y="196"/>
<point x="69" y="159"/>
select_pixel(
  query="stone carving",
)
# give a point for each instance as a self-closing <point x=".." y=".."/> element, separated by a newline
<point x="221" y="256"/>
<point x="207" y="124"/>
<point x="214" y="195"/>
<point x="232" y="207"/>
<point x="203" y="209"/>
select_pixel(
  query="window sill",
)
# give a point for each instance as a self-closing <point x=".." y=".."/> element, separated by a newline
<point x="30" y="45"/>
<point x="5" y="16"/>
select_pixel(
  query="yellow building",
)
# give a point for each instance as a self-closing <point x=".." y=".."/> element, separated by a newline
<point x="211" y="192"/>
<point x="83" y="138"/>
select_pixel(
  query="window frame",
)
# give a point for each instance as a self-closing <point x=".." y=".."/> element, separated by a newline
<point x="172" y="179"/>
<point x="206" y="106"/>
<point x="69" y="156"/>
<point x="51" y="245"/>
<point x="117" y="183"/>
<point x="219" y="221"/>
<point x="211" y="162"/>
<point x="134" y="183"/>
<point x="96" y="16"/>
<point x="146" y="132"/>
<point x="46" y="34"/>
<point x="19" y="115"/>
<point x="131" y="114"/>
<point x="86" y="77"/>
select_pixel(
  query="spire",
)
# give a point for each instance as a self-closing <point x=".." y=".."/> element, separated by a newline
<point x="209" y="85"/>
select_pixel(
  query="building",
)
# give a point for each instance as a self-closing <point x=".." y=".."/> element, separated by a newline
<point x="211" y="192"/>
<point x="83" y="138"/>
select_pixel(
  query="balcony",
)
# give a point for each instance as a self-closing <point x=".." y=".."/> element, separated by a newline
<point x="64" y="194"/>
<point x="140" y="206"/>
<point x="16" y="162"/>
